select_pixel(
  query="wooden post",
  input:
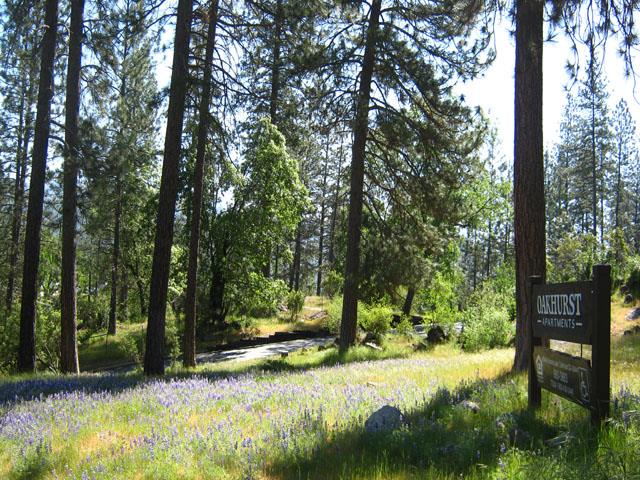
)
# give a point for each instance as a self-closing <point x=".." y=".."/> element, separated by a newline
<point x="535" y="392"/>
<point x="601" y="341"/>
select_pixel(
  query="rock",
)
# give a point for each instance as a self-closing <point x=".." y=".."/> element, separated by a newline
<point x="519" y="438"/>
<point x="371" y="338"/>
<point x="628" y="299"/>
<point x="458" y="328"/>
<point x="372" y="345"/>
<point x="385" y="419"/>
<point x="633" y="314"/>
<point x="436" y="334"/>
<point x="560" y="440"/>
<point x="317" y="315"/>
<point x="469" y="405"/>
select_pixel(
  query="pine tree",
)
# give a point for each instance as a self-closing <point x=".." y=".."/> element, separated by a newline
<point x="194" y="239"/>
<point x="26" y="352"/>
<point x="154" y="352"/>
<point x="68" y="343"/>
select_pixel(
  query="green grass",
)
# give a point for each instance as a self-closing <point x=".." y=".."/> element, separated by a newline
<point x="102" y="350"/>
<point x="302" y="417"/>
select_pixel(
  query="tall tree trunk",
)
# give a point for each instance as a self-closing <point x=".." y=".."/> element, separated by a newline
<point x="487" y="272"/>
<point x="408" y="301"/>
<point x="27" y="344"/>
<point x="360" y="129"/>
<point x="528" y="166"/>
<point x="274" y="96"/>
<point x="594" y="165"/>
<point x="68" y="340"/>
<point x="189" y="357"/>
<point x="294" y="273"/>
<point x="334" y="217"/>
<point x="25" y="130"/>
<point x="322" y="217"/>
<point x="474" y="247"/>
<point x="618" y="185"/>
<point x="115" y="257"/>
<point x="154" y="353"/>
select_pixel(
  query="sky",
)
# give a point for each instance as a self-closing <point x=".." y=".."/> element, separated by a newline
<point x="494" y="92"/>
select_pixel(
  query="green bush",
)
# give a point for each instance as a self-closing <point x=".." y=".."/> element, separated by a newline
<point x="332" y="283"/>
<point x="375" y="319"/>
<point x="257" y="296"/>
<point x="633" y="278"/>
<point x="295" y="302"/>
<point x="334" y="315"/>
<point x="441" y="300"/>
<point x="405" y="327"/>
<point x="488" y="320"/>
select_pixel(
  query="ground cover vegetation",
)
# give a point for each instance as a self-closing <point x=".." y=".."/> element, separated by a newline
<point x="463" y="414"/>
<point x="301" y="165"/>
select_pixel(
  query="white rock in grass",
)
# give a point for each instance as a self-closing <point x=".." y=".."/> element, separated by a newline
<point x="385" y="419"/>
<point x="469" y="405"/>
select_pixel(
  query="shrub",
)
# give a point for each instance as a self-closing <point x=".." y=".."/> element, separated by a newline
<point x="633" y="278"/>
<point x="487" y="321"/>
<point x="441" y="300"/>
<point x="334" y="315"/>
<point x="374" y="319"/>
<point x="295" y="302"/>
<point x="258" y="296"/>
<point x="405" y="327"/>
<point x="332" y="283"/>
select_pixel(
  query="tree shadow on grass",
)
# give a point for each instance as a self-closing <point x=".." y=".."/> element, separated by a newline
<point x="445" y="438"/>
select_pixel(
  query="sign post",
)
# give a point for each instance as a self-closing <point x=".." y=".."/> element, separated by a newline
<point x="578" y="312"/>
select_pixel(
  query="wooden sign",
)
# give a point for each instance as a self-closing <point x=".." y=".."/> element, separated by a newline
<point x="564" y="375"/>
<point x="577" y="312"/>
<point x="563" y="311"/>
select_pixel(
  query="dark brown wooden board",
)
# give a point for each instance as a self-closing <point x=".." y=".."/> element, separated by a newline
<point x="564" y="375"/>
<point x="563" y="311"/>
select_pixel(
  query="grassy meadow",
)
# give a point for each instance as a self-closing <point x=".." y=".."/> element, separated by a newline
<point x="303" y="417"/>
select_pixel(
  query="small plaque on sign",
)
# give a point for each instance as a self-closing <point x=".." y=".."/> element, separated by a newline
<point x="563" y="311"/>
<point x="564" y="374"/>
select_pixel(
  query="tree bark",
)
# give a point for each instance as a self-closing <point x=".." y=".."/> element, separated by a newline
<point x="322" y="217"/>
<point x="408" y="301"/>
<point x="27" y="344"/>
<point x="22" y="155"/>
<point x="294" y="273"/>
<point x="68" y="300"/>
<point x="154" y="352"/>
<point x="115" y="257"/>
<point x="189" y="356"/>
<point x="360" y="129"/>
<point x="528" y="166"/>
<point x="334" y="218"/>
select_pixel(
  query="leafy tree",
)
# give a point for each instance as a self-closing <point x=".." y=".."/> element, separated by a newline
<point x="268" y="201"/>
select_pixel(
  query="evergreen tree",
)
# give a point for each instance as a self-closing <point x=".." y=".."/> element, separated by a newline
<point x="27" y="352"/>
<point x="154" y="351"/>
<point x="68" y="342"/>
